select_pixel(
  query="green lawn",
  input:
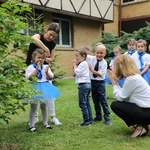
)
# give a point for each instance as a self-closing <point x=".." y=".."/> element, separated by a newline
<point x="69" y="136"/>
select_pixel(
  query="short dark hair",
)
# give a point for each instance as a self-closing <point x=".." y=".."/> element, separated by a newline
<point x="54" y="27"/>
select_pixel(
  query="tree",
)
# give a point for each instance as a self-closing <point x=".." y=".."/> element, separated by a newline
<point x="111" y="40"/>
<point x="14" y="88"/>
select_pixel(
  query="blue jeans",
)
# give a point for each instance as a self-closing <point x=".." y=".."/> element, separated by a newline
<point x="99" y="98"/>
<point x="84" y="104"/>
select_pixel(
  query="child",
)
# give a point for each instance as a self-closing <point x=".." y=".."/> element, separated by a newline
<point x="97" y="75"/>
<point x="117" y="52"/>
<point x="81" y="73"/>
<point x="131" y="45"/>
<point x="46" y="42"/>
<point x="142" y="59"/>
<point x="48" y="91"/>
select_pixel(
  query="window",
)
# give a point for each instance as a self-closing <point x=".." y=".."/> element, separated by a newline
<point x="126" y="1"/>
<point x="64" y="38"/>
<point x="34" y="23"/>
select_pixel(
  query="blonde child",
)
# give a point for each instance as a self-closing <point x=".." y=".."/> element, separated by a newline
<point x="81" y="73"/>
<point x="117" y="52"/>
<point x="98" y="69"/>
<point x="142" y="59"/>
<point x="48" y="91"/>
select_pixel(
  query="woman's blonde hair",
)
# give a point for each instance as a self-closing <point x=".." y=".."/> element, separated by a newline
<point x="125" y="66"/>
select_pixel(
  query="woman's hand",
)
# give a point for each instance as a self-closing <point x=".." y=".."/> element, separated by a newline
<point x="112" y="77"/>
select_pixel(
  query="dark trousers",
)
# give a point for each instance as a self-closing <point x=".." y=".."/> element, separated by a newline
<point x="130" y="113"/>
<point x="99" y="98"/>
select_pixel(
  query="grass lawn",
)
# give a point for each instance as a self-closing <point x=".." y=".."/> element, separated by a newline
<point x="69" y="136"/>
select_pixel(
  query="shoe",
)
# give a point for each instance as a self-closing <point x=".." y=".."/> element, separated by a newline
<point x="85" y="124"/>
<point x="108" y="122"/>
<point x="55" y="121"/>
<point x="97" y="119"/>
<point x="32" y="129"/>
<point x="140" y="131"/>
<point x="48" y="126"/>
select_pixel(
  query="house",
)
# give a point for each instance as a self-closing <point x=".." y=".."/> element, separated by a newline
<point x="129" y="16"/>
<point x="80" y="21"/>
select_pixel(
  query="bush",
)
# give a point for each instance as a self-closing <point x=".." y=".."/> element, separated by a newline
<point x="14" y="88"/>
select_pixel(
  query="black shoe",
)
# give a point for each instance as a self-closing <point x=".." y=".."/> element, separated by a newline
<point x="48" y="126"/>
<point x="97" y="119"/>
<point x="85" y="124"/>
<point x="32" y="129"/>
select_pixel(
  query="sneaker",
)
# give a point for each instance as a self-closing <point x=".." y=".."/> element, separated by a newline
<point x="97" y="119"/>
<point x="32" y="129"/>
<point x="55" y="121"/>
<point x="85" y="124"/>
<point x="108" y="122"/>
<point x="48" y="126"/>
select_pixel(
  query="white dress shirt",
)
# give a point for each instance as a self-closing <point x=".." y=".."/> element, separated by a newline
<point x="135" y="90"/>
<point x="92" y="60"/>
<point x="82" y="73"/>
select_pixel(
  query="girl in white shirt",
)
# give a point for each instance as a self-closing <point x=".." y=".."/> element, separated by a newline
<point x="48" y="91"/>
<point x="142" y="59"/>
<point x="131" y="46"/>
<point x="133" y="105"/>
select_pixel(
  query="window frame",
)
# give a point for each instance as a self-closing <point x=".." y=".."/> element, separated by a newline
<point x="128" y="2"/>
<point x="60" y="33"/>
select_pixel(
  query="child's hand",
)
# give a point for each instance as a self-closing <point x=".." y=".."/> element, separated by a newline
<point x="46" y="69"/>
<point x="38" y="66"/>
<point x="74" y="62"/>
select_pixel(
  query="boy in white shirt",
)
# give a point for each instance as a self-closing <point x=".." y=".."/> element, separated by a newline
<point x="97" y="76"/>
<point x="81" y="73"/>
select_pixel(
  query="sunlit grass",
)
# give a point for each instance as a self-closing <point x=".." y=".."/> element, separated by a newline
<point x="69" y="136"/>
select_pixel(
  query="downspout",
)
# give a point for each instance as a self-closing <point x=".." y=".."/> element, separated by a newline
<point x="119" y="17"/>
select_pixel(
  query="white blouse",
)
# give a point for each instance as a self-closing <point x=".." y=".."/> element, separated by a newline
<point x="135" y="90"/>
<point x="30" y="69"/>
<point x="146" y="60"/>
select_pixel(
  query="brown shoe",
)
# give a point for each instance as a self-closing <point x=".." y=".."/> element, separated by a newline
<point x="139" y="131"/>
